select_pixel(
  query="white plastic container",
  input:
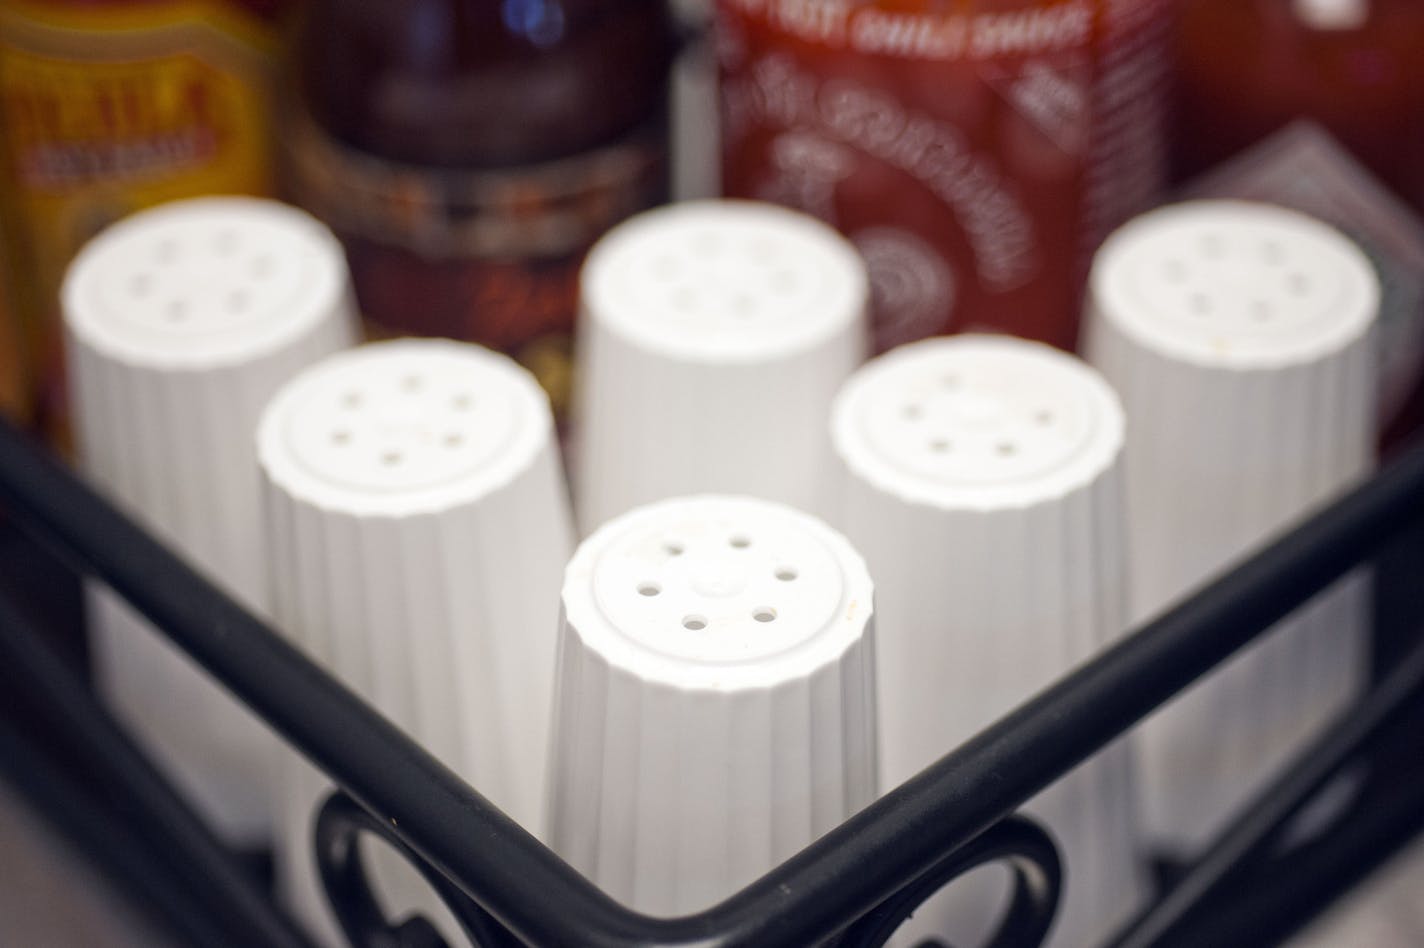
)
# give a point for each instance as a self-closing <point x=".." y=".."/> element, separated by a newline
<point x="716" y="698"/>
<point x="712" y="337"/>
<point x="981" y="478"/>
<point x="419" y="531"/>
<point x="182" y="320"/>
<point x="1241" y="339"/>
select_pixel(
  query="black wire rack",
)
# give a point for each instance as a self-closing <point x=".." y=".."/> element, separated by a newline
<point x="852" y="887"/>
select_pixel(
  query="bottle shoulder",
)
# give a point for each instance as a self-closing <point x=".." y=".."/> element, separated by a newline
<point x="452" y="82"/>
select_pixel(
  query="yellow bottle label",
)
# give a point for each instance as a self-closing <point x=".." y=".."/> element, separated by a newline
<point x="110" y="110"/>
<point x="14" y="383"/>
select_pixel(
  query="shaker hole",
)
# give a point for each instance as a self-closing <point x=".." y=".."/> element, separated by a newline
<point x="649" y="589"/>
<point x="740" y="541"/>
<point x="764" y="614"/>
<point x="694" y="623"/>
<point x="786" y="573"/>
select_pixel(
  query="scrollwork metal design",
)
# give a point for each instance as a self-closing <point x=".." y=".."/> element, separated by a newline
<point x="1023" y="844"/>
<point x="1037" y="884"/>
<point x="339" y="824"/>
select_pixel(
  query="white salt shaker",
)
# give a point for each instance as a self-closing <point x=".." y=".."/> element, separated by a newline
<point x="981" y="478"/>
<point x="712" y="337"/>
<point x="1240" y="336"/>
<point x="716" y="698"/>
<point x="419" y="529"/>
<point x="182" y="320"/>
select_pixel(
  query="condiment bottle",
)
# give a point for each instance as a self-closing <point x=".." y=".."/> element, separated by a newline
<point x="111" y="106"/>
<point x="468" y="154"/>
<point x="976" y="152"/>
<point x="1319" y="105"/>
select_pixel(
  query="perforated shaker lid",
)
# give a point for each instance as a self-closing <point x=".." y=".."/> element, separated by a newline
<point x="1234" y="284"/>
<point x="404" y="426"/>
<point x="204" y="282"/>
<point x="977" y="422"/>
<point x="733" y="281"/>
<point x="718" y="592"/>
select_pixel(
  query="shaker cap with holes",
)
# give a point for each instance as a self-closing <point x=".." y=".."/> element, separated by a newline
<point x="718" y="592"/>
<point x="1233" y="284"/>
<point x="181" y="322"/>
<point x="976" y="422"/>
<point x="731" y="281"/>
<point x="399" y="427"/>
<point x="715" y="694"/>
<point x="713" y="335"/>
<point x="204" y="282"/>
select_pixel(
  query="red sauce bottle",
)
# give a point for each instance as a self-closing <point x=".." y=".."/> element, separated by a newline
<point x="468" y="153"/>
<point x="976" y="151"/>
<point x="1248" y="67"/>
<point x="1354" y="71"/>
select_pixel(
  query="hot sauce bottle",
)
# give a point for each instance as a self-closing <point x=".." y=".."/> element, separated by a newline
<point x="110" y="106"/>
<point x="1356" y="67"/>
<point x="468" y="154"/>
<point x="976" y="151"/>
<point x="1319" y="104"/>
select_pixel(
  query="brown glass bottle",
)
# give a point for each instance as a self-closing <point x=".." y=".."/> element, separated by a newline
<point x="467" y="152"/>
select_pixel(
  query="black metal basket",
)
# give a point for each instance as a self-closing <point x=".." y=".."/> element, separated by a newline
<point x="852" y="887"/>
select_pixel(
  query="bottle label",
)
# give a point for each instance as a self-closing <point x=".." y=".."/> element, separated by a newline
<point x="112" y="109"/>
<point x="485" y="256"/>
<point x="976" y="158"/>
<point x="1303" y="167"/>
<point x="14" y="378"/>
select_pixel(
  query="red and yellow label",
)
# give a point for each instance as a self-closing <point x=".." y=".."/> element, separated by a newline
<point x="110" y="109"/>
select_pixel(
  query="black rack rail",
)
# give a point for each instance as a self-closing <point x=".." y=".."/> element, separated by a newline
<point x="851" y="887"/>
